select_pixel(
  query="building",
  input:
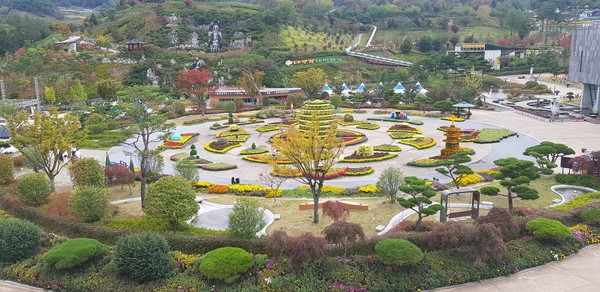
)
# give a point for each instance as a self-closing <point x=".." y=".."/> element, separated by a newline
<point x="491" y="53"/>
<point x="135" y="45"/>
<point x="230" y="94"/>
<point x="584" y="67"/>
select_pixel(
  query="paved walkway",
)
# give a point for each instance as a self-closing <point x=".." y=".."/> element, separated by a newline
<point x="8" y="286"/>
<point x="576" y="273"/>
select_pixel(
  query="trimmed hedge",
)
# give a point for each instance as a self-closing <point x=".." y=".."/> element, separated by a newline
<point x="6" y="169"/>
<point x="74" y="252"/>
<point x="19" y="239"/>
<point x="187" y="244"/>
<point x="144" y="257"/>
<point x="34" y="189"/>
<point x="544" y="228"/>
<point x="225" y="263"/>
<point x="398" y="252"/>
<point x="584" y="180"/>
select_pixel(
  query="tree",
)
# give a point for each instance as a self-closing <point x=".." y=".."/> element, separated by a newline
<point x="34" y="189"/>
<point x="78" y="93"/>
<point x="49" y="95"/>
<point x="342" y="232"/>
<point x="513" y="175"/>
<point x="146" y="128"/>
<point x="119" y="175"/>
<point x="87" y="172"/>
<point x="195" y="82"/>
<point x="275" y="181"/>
<point x="187" y="168"/>
<point x="251" y="82"/>
<point x="313" y="153"/>
<point x="547" y="153"/>
<point x="389" y="181"/>
<point x="89" y="204"/>
<point x="46" y="140"/>
<point x="311" y="81"/>
<point x="474" y="80"/>
<point x="7" y="165"/>
<point x="335" y="210"/>
<point x="454" y="168"/>
<point x="246" y="219"/>
<point x="172" y="199"/>
<point x="107" y="88"/>
<point x="518" y="21"/>
<point x="357" y="99"/>
<point x="406" y="46"/>
<point x="419" y="199"/>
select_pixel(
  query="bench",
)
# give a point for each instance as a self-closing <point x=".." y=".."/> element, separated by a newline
<point x="460" y="214"/>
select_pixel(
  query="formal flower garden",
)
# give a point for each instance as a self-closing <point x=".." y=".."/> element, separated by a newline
<point x="115" y="252"/>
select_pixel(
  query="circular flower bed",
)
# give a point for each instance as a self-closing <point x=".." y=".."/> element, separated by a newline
<point x="265" y="158"/>
<point x="221" y="148"/>
<point x="348" y="137"/>
<point x="453" y="119"/>
<point x="218" y="166"/>
<point x="426" y="162"/>
<point x="377" y="156"/>
<point x="196" y="159"/>
<point x="419" y="143"/>
<point x="237" y="139"/>
<point x="232" y="133"/>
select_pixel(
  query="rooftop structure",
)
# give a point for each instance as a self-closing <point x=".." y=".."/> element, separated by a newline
<point x="230" y="94"/>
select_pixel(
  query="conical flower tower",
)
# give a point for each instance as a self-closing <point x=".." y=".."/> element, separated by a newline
<point x="320" y="110"/>
<point x="452" y="140"/>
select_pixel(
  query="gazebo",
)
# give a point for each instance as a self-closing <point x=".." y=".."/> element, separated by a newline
<point x="135" y="45"/>
<point x="460" y="107"/>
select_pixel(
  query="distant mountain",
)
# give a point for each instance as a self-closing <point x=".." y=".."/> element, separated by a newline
<point x="50" y="7"/>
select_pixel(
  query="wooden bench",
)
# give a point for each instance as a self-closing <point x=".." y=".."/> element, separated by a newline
<point x="460" y="214"/>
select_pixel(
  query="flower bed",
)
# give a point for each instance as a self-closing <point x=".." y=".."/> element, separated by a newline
<point x="196" y="121"/>
<point x="332" y="173"/>
<point x="493" y="135"/>
<point x="218" y="166"/>
<point x="342" y="123"/>
<point x="357" y="171"/>
<point x="237" y="139"/>
<point x="419" y="143"/>
<point x="220" y="148"/>
<point x="279" y="159"/>
<point x="202" y="185"/>
<point x="232" y="133"/>
<point x="387" y="148"/>
<point x="353" y="140"/>
<point x="369" y="126"/>
<point x="412" y="122"/>
<point x="401" y="135"/>
<point x="377" y="156"/>
<point x="404" y="128"/>
<point x="179" y="144"/>
<point x="250" y="151"/>
<point x="197" y="160"/>
<point x="426" y="162"/>
<point x="267" y="128"/>
<point x="217" y="126"/>
<point x="453" y="119"/>
<point x="285" y="122"/>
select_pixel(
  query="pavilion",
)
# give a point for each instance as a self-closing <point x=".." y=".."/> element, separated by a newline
<point x="459" y="109"/>
<point x="399" y="88"/>
<point x="327" y="89"/>
<point x="135" y="45"/>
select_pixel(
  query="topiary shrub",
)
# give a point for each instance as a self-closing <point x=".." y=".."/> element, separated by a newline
<point x="398" y="252"/>
<point x="225" y="263"/>
<point x="19" y="239"/>
<point x="193" y="151"/>
<point x="144" y="257"/>
<point x="88" y="204"/>
<point x="544" y="228"/>
<point x="348" y="118"/>
<point x="591" y="216"/>
<point x="490" y="191"/>
<point x="234" y="128"/>
<point x="6" y="169"/>
<point x="87" y="172"/>
<point x="365" y="150"/>
<point x="73" y="253"/>
<point x="34" y="189"/>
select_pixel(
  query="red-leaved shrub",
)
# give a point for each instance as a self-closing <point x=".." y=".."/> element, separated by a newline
<point x="58" y="204"/>
<point x="278" y="243"/>
<point x="403" y="226"/>
<point x="335" y="210"/>
<point x="307" y="247"/>
<point x="447" y="236"/>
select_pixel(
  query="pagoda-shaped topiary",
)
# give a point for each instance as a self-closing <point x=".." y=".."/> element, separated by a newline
<point x="452" y="141"/>
<point x="320" y="110"/>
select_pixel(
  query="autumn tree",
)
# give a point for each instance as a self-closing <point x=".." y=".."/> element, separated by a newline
<point x="172" y="199"/>
<point x="419" y="199"/>
<point x="119" y="175"/>
<point x="342" y="232"/>
<point x="311" y="81"/>
<point x="49" y="95"/>
<point x="313" y="153"/>
<point x="514" y="174"/>
<point x="307" y="247"/>
<point x="147" y="127"/>
<point x="547" y="153"/>
<point x="454" y="168"/>
<point x="46" y="141"/>
<point x="87" y="172"/>
<point x="335" y="210"/>
<point x="389" y="181"/>
<point x="251" y="82"/>
<point x="194" y="82"/>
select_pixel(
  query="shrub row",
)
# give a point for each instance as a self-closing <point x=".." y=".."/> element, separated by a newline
<point x="186" y="244"/>
<point x="588" y="181"/>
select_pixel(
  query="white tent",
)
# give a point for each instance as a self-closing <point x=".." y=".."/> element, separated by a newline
<point x="399" y="88"/>
<point x="345" y="90"/>
<point x="421" y="89"/>
<point x="327" y="89"/>
<point x="362" y="88"/>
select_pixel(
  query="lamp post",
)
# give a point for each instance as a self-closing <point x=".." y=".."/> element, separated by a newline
<point x="491" y="87"/>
